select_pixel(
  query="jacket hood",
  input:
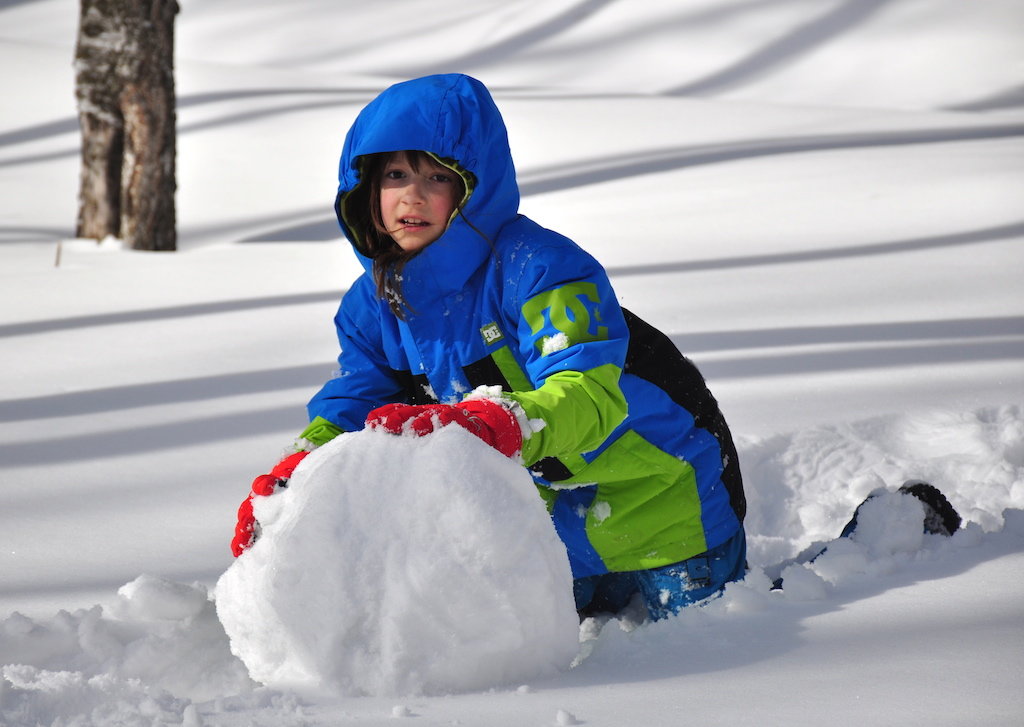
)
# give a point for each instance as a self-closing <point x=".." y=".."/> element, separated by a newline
<point x="454" y="118"/>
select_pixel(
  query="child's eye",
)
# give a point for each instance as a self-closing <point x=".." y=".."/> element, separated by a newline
<point x="442" y="178"/>
<point x="394" y="174"/>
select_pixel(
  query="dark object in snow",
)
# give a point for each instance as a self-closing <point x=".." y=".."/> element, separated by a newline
<point x="940" y="518"/>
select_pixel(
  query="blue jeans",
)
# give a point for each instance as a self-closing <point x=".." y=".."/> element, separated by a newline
<point x="667" y="589"/>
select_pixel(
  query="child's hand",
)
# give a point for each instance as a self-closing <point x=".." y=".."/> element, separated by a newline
<point x="246" y="531"/>
<point x="487" y="419"/>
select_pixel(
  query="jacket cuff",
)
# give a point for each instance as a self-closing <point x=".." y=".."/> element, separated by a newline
<point x="527" y="426"/>
<point x="319" y="432"/>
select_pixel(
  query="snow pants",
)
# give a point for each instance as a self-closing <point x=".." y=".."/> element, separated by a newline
<point x="667" y="589"/>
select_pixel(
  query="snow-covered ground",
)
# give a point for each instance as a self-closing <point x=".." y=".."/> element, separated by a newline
<point x="820" y="201"/>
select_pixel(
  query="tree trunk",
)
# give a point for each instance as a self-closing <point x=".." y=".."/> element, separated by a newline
<point x="125" y="89"/>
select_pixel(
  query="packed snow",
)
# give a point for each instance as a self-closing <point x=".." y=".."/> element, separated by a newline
<point x="402" y="565"/>
<point x="818" y="201"/>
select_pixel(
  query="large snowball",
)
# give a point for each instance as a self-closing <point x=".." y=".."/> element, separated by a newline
<point x="402" y="565"/>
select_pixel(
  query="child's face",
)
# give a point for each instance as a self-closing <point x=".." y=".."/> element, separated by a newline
<point x="416" y="205"/>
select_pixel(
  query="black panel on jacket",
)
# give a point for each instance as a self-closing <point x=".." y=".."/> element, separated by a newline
<point x="485" y="373"/>
<point x="653" y="357"/>
<point x="417" y="388"/>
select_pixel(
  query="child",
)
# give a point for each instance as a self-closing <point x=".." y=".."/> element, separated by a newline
<point x="470" y="314"/>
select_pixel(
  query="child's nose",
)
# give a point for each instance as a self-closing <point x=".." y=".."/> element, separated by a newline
<point x="414" y="191"/>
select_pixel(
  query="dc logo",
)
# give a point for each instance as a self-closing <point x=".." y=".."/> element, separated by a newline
<point x="491" y="333"/>
<point x="565" y="316"/>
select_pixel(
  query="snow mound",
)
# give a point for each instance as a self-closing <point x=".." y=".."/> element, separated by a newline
<point x="402" y="565"/>
<point x="802" y="487"/>
<point x="37" y="697"/>
<point x="129" y="665"/>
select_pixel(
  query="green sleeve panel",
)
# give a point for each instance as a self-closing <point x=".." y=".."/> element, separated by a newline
<point x="647" y="512"/>
<point x="580" y="410"/>
<point x="320" y="431"/>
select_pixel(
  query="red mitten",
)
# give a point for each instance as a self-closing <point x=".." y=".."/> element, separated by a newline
<point x="485" y="418"/>
<point x="393" y="418"/>
<point x="506" y="435"/>
<point x="262" y="486"/>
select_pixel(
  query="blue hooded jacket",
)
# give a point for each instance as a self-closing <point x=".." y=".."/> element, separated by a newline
<point x="635" y="460"/>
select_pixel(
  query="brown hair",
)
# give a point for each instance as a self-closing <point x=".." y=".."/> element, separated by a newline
<point x="362" y="213"/>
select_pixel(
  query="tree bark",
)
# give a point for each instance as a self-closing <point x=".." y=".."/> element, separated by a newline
<point x="126" y="103"/>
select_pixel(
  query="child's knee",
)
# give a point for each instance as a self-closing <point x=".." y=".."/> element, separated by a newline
<point x="668" y="589"/>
